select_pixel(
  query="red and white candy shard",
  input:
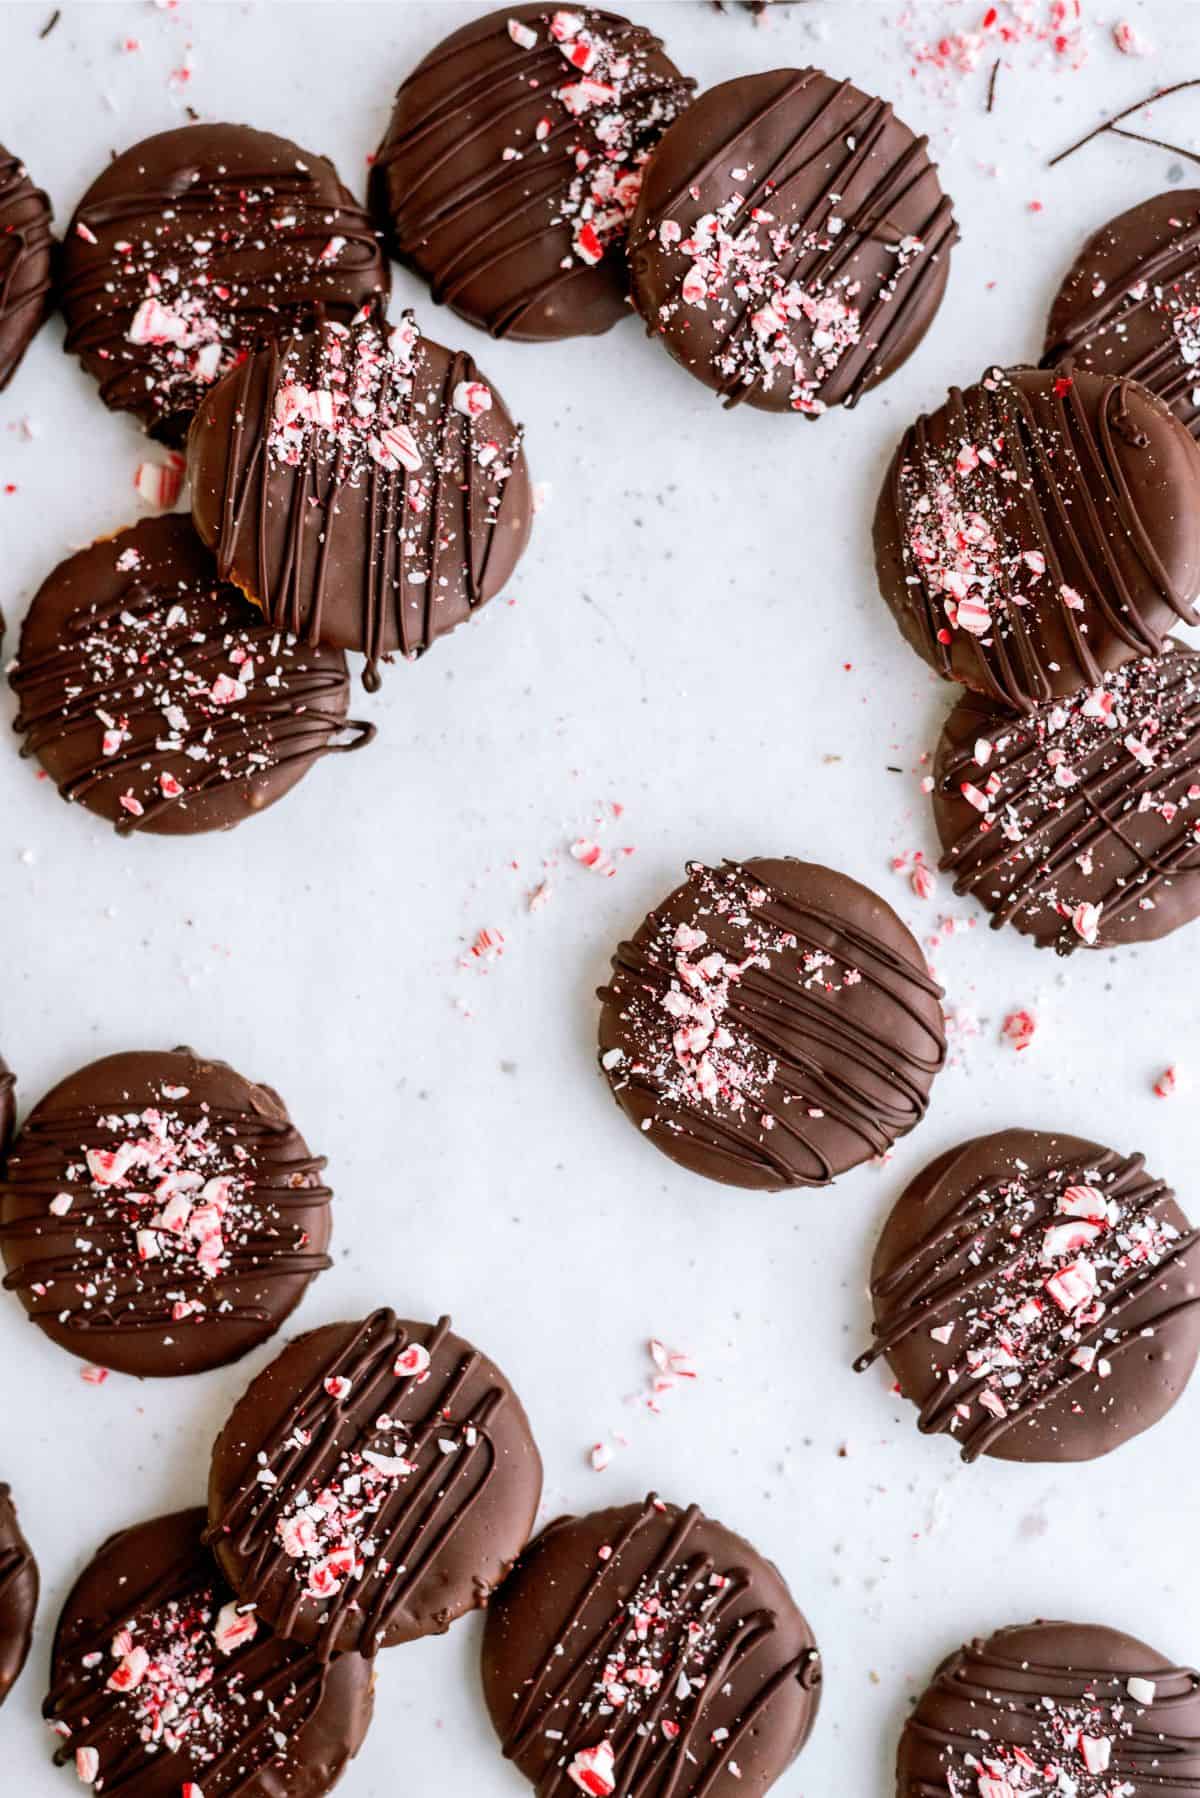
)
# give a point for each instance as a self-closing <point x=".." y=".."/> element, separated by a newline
<point x="593" y="1770"/>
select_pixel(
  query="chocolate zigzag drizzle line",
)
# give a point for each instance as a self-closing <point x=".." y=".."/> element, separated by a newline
<point x="817" y="266"/>
<point x="1162" y="367"/>
<point x="490" y="190"/>
<point x="244" y="499"/>
<point x="988" y="1685"/>
<point x="926" y="1286"/>
<point x="780" y="1016"/>
<point x="1108" y="791"/>
<point x="292" y="723"/>
<point x="1063" y="503"/>
<point x="411" y="1528"/>
<point x="34" y="1172"/>
<point x="208" y="204"/>
<point x="26" y="242"/>
<point x="647" y="1761"/>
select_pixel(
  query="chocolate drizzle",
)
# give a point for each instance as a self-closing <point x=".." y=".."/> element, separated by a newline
<point x="26" y="250"/>
<point x="197" y="1268"/>
<point x="654" y="1645"/>
<point x="1095" y="1711"/>
<point x="196" y="245"/>
<point x="1038" y="530"/>
<point x="772" y="1024"/>
<point x="512" y="203"/>
<point x="248" y="1718"/>
<point x="338" y="538"/>
<point x="19" y="1586"/>
<point x="431" y="1494"/>
<point x="1059" y="1279"/>
<point x="1130" y="305"/>
<point x="1089" y="802"/>
<point x="159" y="699"/>
<point x="829" y="253"/>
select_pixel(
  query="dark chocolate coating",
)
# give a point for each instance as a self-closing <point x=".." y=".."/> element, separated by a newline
<point x="1093" y="802"/>
<point x="134" y="696"/>
<point x="1027" y="1696"/>
<point x="1144" y="321"/>
<point x="808" y="1047"/>
<point x="26" y="263"/>
<point x="203" y="242"/>
<point x="1038" y="530"/>
<point x="657" y="1634"/>
<point x="1068" y="1280"/>
<point x="8" y="1104"/>
<point x="433" y="1481"/>
<point x="527" y="245"/>
<point x="18" y="1594"/>
<point x="260" y="1718"/>
<point x="813" y="228"/>
<point x="330" y="528"/>
<point x="188" y="1250"/>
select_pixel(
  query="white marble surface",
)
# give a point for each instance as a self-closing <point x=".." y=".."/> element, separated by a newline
<point x="696" y="634"/>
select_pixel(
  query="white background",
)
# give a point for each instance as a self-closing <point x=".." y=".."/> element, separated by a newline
<point x="696" y="634"/>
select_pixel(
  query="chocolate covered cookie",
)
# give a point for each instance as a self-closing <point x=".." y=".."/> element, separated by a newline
<point x="1130" y="304"/>
<point x="164" y="1686"/>
<point x="1055" y="1707"/>
<point x="18" y="1594"/>
<point x="1037" y="1297"/>
<point x="366" y="489"/>
<point x="513" y="161"/>
<point x="375" y="1483"/>
<point x="648" y="1650"/>
<point x="153" y="694"/>
<point x="160" y="1214"/>
<point x="26" y="263"/>
<point x="8" y="1104"/>
<point x="1038" y="530"/>
<point x="791" y="242"/>
<point x="1078" y="824"/>
<point x="771" y="1024"/>
<point x="194" y="246"/>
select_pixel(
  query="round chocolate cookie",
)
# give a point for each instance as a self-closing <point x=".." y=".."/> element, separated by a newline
<point x="18" y="1594"/>
<point x="8" y="1104"/>
<point x="164" y="1685"/>
<point x="197" y="244"/>
<point x="512" y="165"/>
<point x="791" y="244"/>
<point x="375" y="1483"/>
<point x="365" y="490"/>
<point x="1054" y="1707"/>
<point x="156" y="696"/>
<point x="1037" y="1297"/>
<point x="771" y="1024"/>
<point x="1130" y="305"/>
<point x="1078" y="823"/>
<point x="644" y="1650"/>
<point x="1038" y="530"/>
<point x="26" y="263"/>
<point x="161" y="1215"/>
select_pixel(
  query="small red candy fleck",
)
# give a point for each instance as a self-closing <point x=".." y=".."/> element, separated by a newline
<point x="1018" y="1029"/>
<point x="1167" y="1083"/>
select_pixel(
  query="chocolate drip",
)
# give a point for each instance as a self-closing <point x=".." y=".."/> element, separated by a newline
<point x="1019" y="1367"/>
<point x="467" y="1451"/>
<point x="88" y="1275"/>
<point x="1028" y="1695"/>
<point x="242" y="1719"/>
<point x="473" y="183"/>
<point x="659" y="1639"/>
<point x="19" y="1586"/>
<point x="816" y="150"/>
<point x="236" y="235"/>
<point x="1088" y="803"/>
<point x="333" y="544"/>
<point x="823" y="1070"/>
<point x="1085" y="544"/>
<point x="26" y="248"/>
